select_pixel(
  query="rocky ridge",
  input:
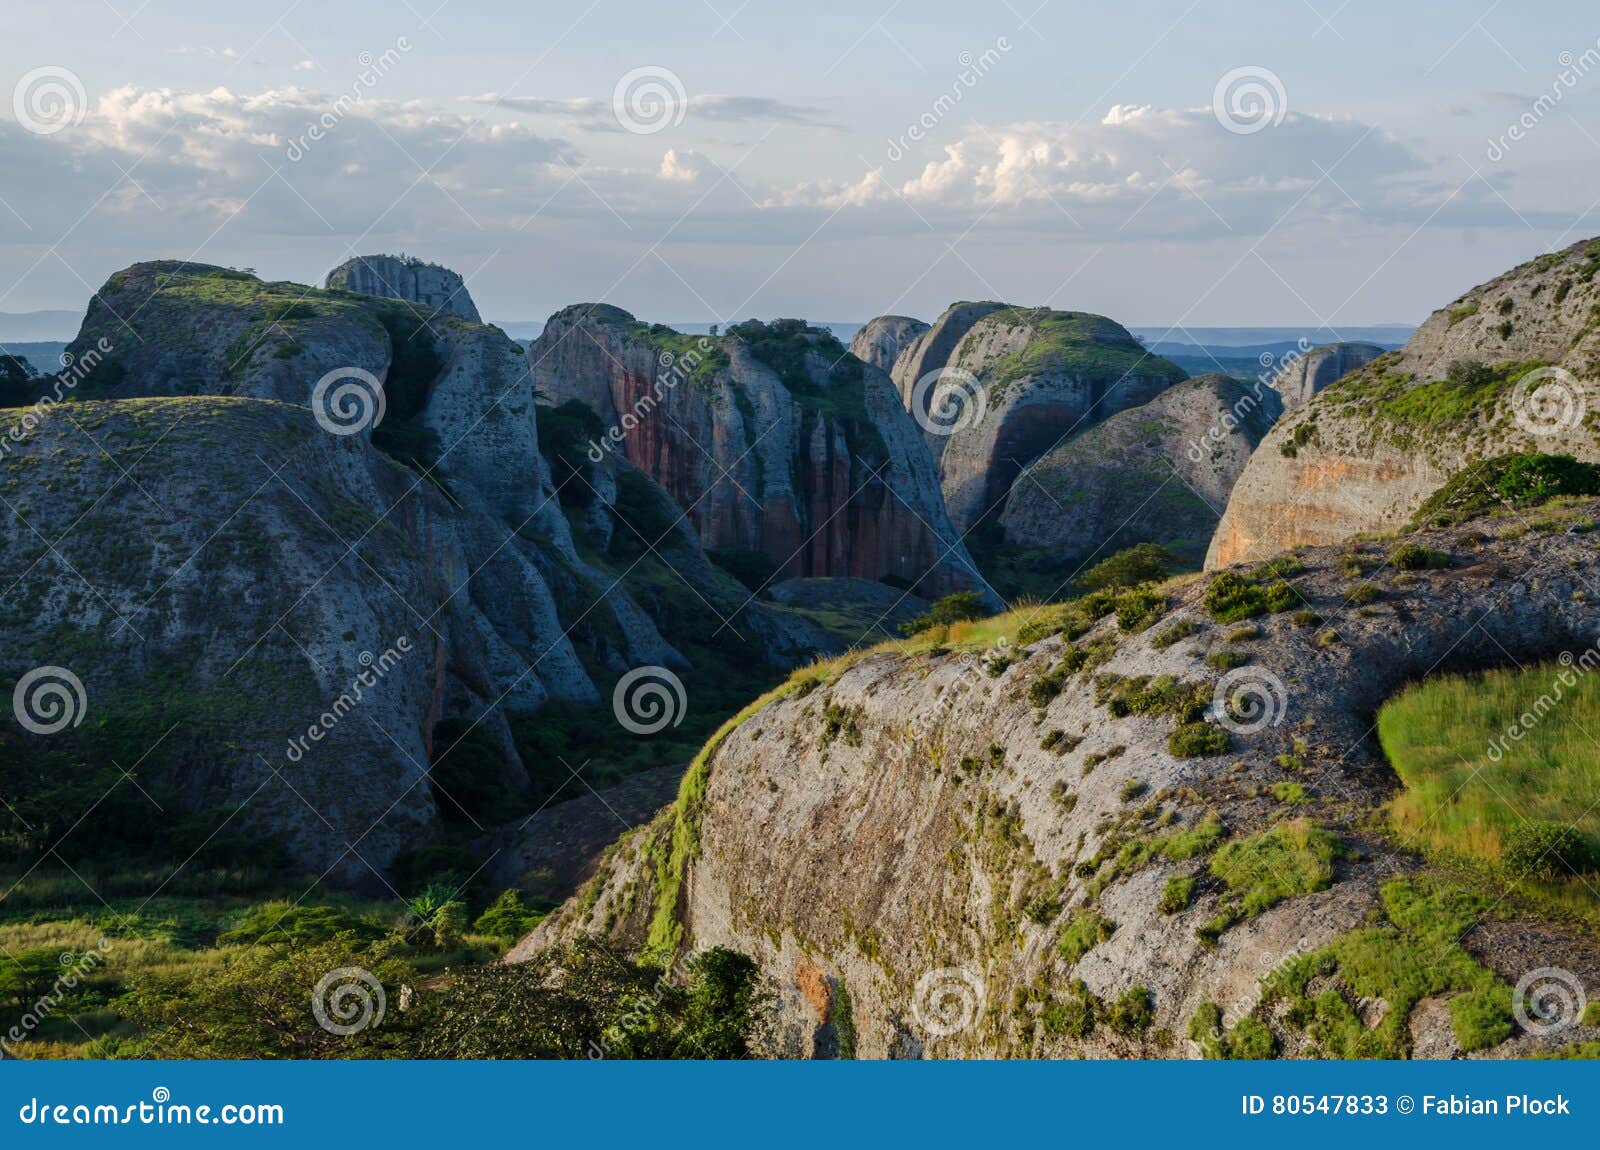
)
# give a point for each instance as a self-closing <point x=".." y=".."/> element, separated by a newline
<point x="1509" y="366"/>
<point x="975" y="846"/>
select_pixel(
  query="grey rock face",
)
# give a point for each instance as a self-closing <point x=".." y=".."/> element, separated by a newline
<point x="889" y="864"/>
<point x="1319" y="367"/>
<point x="434" y="288"/>
<point x="1157" y="473"/>
<point x="881" y="340"/>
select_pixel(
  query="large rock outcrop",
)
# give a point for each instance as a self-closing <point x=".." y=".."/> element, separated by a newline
<point x="1157" y="473"/>
<point x="1016" y="383"/>
<point x="881" y="339"/>
<point x="772" y="439"/>
<point x="1510" y="366"/>
<point x="1306" y="375"/>
<point x="435" y="289"/>
<point x="981" y="854"/>
<point x="261" y="534"/>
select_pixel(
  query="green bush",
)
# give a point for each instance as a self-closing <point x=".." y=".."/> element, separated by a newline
<point x="1546" y="851"/>
<point x="1481" y="1018"/>
<point x="508" y="917"/>
<point x="1144" y="563"/>
<point x="1198" y="741"/>
<point x="1292" y="858"/>
<point x="1137" y="610"/>
<point x="1178" y="894"/>
<point x="1132" y="1013"/>
<point x="1415" y="557"/>
<point x="1081" y="933"/>
<point x="959" y="607"/>
<point x="1169" y="635"/>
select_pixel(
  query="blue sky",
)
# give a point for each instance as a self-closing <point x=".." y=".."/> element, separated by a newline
<point x="1088" y="162"/>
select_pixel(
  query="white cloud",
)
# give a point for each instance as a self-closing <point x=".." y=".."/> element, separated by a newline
<point x="592" y="114"/>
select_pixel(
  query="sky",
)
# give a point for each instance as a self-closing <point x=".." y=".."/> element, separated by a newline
<point x="1189" y="163"/>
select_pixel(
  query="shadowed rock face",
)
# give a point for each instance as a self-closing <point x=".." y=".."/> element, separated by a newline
<point x="437" y="290"/>
<point x="1157" y="473"/>
<point x="1362" y="455"/>
<point x="881" y="340"/>
<point x="1044" y="377"/>
<point x="822" y="472"/>
<point x="911" y="855"/>
<point x="1319" y="367"/>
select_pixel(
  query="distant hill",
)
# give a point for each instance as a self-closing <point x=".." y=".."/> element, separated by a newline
<point x="34" y="326"/>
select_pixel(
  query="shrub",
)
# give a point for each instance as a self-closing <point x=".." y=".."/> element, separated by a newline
<point x="286" y="925"/>
<point x="1225" y="659"/>
<point x="1415" y="557"/>
<point x="1177" y="895"/>
<point x="1481" y="1018"/>
<point x="1071" y="1017"/>
<point x="1545" y="851"/>
<point x="1291" y="793"/>
<point x="507" y="917"/>
<point x="1198" y="741"/>
<point x="1292" y="858"/>
<point x="1244" y="634"/>
<point x="1251" y="1040"/>
<point x="1362" y="595"/>
<point x="1132" y="789"/>
<point x="1231" y="597"/>
<point x="1132" y="1014"/>
<point x="1137" y="610"/>
<point x="1144" y="563"/>
<point x="1305" y="619"/>
<point x="1169" y="635"/>
<point x="1081" y="933"/>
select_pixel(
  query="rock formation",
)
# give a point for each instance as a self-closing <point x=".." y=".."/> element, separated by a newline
<point x="881" y="340"/>
<point x="1310" y="373"/>
<point x="1009" y="852"/>
<point x="435" y="289"/>
<point x="1510" y="366"/>
<point x="1157" y="473"/>
<point x="1020" y="382"/>
<point x="811" y="463"/>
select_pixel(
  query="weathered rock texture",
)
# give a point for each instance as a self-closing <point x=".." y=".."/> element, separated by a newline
<point x="909" y="831"/>
<point x="1362" y="455"/>
<point x="828" y="477"/>
<point x="1158" y="473"/>
<point x="431" y="287"/>
<point x="1038" y="378"/>
<point x="1310" y="373"/>
<point x="881" y="340"/>
<point x="255" y="554"/>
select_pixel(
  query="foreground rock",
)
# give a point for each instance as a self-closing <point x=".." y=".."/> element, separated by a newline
<point x="1158" y="473"/>
<point x="977" y="866"/>
<point x="1362" y="455"/>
